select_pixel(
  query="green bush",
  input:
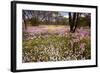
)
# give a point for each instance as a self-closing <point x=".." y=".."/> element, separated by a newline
<point x="34" y="21"/>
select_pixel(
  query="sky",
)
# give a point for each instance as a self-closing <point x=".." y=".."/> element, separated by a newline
<point x="65" y="14"/>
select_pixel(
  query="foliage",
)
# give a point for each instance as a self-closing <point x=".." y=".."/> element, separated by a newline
<point x="84" y="21"/>
<point x="34" y="21"/>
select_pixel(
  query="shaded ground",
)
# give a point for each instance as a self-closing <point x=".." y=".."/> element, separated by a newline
<point x="55" y="43"/>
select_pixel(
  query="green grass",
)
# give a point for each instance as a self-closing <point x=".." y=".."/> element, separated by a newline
<point x="54" y="48"/>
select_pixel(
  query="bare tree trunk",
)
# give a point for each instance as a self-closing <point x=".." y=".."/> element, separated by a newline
<point x="73" y="21"/>
<point x="25" y="25"/>
<point x="77" y="22"/>
<point x="24" y="21"/>
<point x="70" y="21"/>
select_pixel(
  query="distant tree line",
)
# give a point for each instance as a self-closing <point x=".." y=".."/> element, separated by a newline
<point x="43" y="17"/>
<point x="35" y="18"/>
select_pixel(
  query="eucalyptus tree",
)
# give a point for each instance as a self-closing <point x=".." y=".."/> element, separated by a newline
<point x="73" y="20"/>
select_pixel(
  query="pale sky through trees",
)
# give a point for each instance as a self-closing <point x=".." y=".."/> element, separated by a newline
<point x="65" y="14"/>
<point x="61" y="13"/>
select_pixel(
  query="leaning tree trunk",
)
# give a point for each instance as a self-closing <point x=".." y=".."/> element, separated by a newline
<point x="25" y="25"/>
<point x="24" y="22"/>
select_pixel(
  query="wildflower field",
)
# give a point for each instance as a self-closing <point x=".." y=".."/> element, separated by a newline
<point x="55" y="43"/>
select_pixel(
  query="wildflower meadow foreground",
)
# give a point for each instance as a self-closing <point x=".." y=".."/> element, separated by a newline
<point x="56" y="43"/>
